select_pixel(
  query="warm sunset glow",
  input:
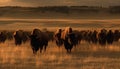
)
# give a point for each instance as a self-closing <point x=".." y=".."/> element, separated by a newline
<point x="4" y="1"/>
<point x="59" y="2"/>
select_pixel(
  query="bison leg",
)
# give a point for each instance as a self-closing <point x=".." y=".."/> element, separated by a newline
<point x="34" y="51"/>
<point x="67" y="50"/>
<point x="70" y="51"/>
<point x="41" y="48"/>
<point x="45" y="48"/>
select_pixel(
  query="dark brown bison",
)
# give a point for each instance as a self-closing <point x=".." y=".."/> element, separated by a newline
<point x="68" y="38"/>
<point x="78" y="37"/>
<point x="89" y="36"/>
<point x="110" y="37"/>
<point x="83" y="35"/>
<point x="10" y="35"/>
<point x="50" y="34"/>
<point x="26" y="36"/>
<point x="18" y="37"/>
<point x="21" y="37"/>
<point x="102" y="37"/>
<point x="116" y="35"/>
<point x="3" y="36"/>
<point x="39" y="40"/>
<point x="94" y="37"/>
<point x="57" y="37"/>
<point x="6" y="35"/>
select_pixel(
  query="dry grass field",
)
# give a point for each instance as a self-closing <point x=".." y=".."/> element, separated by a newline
<point x="84" y="56"/>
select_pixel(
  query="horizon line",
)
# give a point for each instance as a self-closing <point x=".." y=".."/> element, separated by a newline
<point x="62" y="6"/>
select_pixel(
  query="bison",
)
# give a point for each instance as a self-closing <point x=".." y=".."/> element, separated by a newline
<point x="94" y="37"/>
<point x="3" y="36"/>
<point x="110" y="37"/>
<point x="116" y="35"/>
<point x="57" y="37"/>
<point x="10" y="35"/>
<point x="68" y="38"/>
<point x="21" y="37"/>
<point x="39" y="40"/>
<point x="102" y="37"/>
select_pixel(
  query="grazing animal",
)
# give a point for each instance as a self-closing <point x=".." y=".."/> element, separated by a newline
<point x="50" y="34"/>
<point x="116" y="35"/>
<point x="83" y="35"/>
<point x="68" y="38"/>
<point x="110" y="37"/>
<point x="18" y="37"/>
<point x="57" y="37"/>
<point x="6" y="35"/>
<point x="26" y="36"/>
<point x="3" y="36"/>
<point x="39" y="40"/>
<point x="94" y="37"/>
<point x="10" y="35"/>
<point x="78" y="37"/>
<point x="21" y="37"/>
<point x="89" y="36"/>
<point x="102" y="37"/>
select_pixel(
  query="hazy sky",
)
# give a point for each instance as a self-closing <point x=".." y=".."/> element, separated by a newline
<point x="58" y="2"/>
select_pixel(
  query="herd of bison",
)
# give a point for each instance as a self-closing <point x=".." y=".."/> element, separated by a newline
<point x="62" y="37"/>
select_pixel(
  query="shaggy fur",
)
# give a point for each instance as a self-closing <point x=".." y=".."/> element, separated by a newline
<point x="39" y="40"/>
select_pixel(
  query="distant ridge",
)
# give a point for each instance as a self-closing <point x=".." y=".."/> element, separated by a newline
<point x="60" y="12"/>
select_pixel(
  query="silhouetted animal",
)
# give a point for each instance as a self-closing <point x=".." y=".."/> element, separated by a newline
<point x="3" y="36"/>
<point x="57" y="37"/>
<point x="18" y="37"/>
<point x="89" y="36"/>
<point x="78" y="37"/>
<point x="102" y="37"/>
<point x="51" y="35"/>
<point x="116" y="35"/>
<point x="21" y="37"/>
<point x="26" y="36"/>
<point x="110" y="37"/>
<point x="10" y="35"/>
<point x="39" y="40"/>
<point x="68" y="38"/>
<point x="94" y="37"/>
